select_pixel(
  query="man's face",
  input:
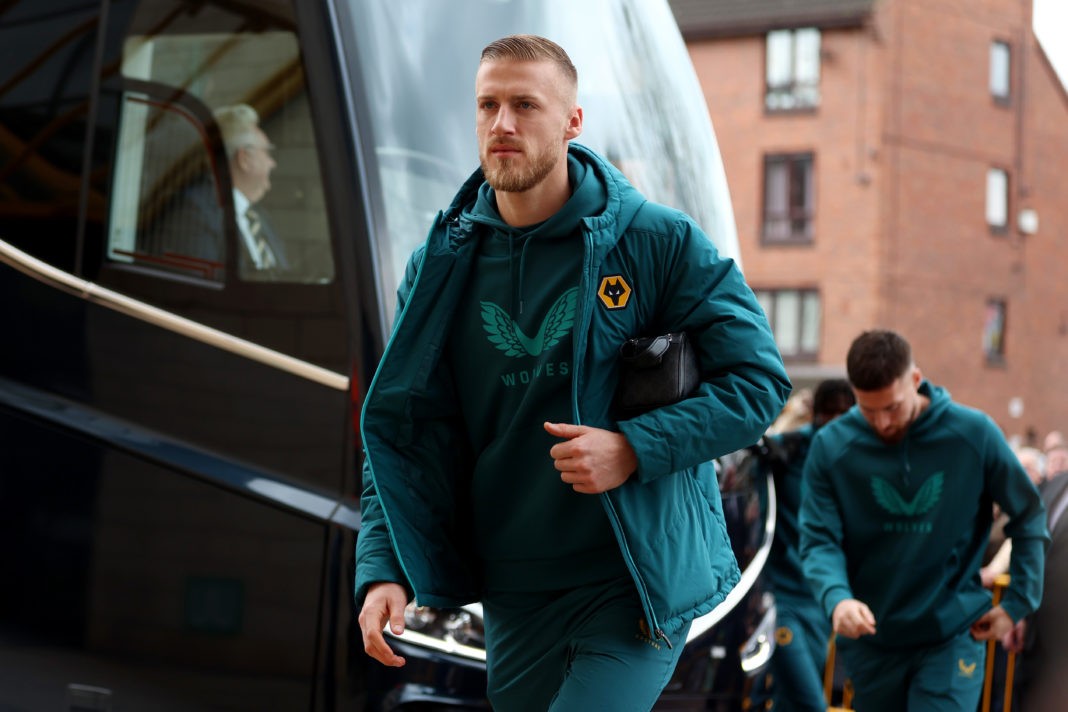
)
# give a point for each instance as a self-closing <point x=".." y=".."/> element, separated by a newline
<point x="891" y="410"/>
<point x="525" y="117"/>
<point x="1057" y="460"/>
<point x="253" y="165"/>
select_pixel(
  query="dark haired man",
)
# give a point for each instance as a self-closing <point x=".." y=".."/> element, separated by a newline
<point x="495" y="468"/>
<point x="895" y="518"/>
<point x="795" y="675"/>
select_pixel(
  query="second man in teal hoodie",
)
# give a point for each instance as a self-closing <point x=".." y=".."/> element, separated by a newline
<point x="895" y="517"/>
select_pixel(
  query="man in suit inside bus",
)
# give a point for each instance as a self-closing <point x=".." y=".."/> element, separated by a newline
<point x="194" y="224"/>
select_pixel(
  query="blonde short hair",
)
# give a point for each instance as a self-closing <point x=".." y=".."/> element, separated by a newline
<point x="532" y="48"/>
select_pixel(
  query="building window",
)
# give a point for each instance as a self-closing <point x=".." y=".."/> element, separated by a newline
<point x="997" y="199"/>
<point x="788" y="198"/>
<point x="994" y="331"/>
<point x="1000" y="74"/>
<point x="793" y="69"/>
<point x="794" y="315"/>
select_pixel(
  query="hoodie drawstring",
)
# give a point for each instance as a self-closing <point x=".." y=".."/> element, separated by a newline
<point x="522" y="269"/>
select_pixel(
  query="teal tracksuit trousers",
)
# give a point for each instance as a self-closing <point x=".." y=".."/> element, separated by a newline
<point x="794" y="681"/>
<point x="943" y="678"/>
<point x="582" y="650"/>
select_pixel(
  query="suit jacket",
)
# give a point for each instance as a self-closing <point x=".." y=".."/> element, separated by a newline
<point x="194" y="225"/>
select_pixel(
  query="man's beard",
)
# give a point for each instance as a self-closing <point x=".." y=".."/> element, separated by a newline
<point x="516" y="176"/>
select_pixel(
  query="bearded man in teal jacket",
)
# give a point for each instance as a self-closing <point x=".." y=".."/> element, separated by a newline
<point x="495" y="468"/>
<point x="895" y="517"/>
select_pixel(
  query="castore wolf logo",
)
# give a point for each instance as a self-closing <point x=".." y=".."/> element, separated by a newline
<point x="614" y="292"/>
<point x="967" y="671"/>
<point x="893" y="502"/>
<point x="506" y="335"/>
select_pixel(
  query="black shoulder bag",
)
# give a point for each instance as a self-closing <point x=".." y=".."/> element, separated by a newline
<point x="655" y="371"/>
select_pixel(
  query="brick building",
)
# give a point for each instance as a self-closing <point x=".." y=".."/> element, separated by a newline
<point x="900" y="164"/>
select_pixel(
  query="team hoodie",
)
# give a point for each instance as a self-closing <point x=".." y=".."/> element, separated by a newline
<point x="510" y="353"/>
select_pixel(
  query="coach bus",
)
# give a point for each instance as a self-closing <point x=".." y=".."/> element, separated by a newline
<point x="179" y="454"/>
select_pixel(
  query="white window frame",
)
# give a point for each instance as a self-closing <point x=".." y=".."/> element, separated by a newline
<point x="1001" y="71"/>
<point x="795" y="316"/>
<point x="792" y="70"/>
<point x="997" y="199"/>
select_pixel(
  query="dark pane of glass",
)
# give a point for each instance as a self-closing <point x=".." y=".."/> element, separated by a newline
<point x="154" y="589"/>
<point x="46" y="58"/>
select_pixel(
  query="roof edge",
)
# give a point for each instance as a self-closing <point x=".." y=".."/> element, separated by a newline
<point x="748" y="28"/>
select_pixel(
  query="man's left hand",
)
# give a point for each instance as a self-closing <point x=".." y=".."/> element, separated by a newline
<point x="591" y="460"/>
<point x="994" y="624"/>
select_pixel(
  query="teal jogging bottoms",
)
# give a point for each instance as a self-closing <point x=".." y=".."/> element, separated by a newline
<point x="580" y="650"/>
<point x="947" y="677"/>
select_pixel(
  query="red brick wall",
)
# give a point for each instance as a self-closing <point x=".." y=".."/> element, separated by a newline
<point x="903" y="138"/>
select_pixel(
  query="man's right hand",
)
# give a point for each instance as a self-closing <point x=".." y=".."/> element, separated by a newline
<point x="852" y="618"/>
<point x="385" y="602"/>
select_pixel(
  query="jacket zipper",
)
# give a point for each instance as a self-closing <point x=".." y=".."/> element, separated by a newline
<point x="606" y="500"/>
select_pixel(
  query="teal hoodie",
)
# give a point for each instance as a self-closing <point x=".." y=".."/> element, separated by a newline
<point x="784" y="562"/>
<point x="646" y="269"/>
<point x="510" y="354"/>
<point x="903" y="527"/>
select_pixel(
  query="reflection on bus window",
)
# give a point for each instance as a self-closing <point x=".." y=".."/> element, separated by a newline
<point x="216" y="174"/>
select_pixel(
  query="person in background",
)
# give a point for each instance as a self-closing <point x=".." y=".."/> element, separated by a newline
<point x="1056" y="453"/>
<point x="495" y="468"/>
<point x="895" y="517"/>
<point x="795" y="676"/>
<point x="1034" y="463"/>
<point x="251" y="163"/>
<point x="1042" y="637"/>
<point x="193" y="224"/>
<point x="797" y="412"/>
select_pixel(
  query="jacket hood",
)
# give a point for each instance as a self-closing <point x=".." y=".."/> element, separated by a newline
<point x="930" y="417"/>
<point x="854" y="422"/>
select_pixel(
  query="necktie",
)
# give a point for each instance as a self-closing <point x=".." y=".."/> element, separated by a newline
<point x="263" y="256"/>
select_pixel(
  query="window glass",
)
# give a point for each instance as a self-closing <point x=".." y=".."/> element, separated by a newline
<point x="46" y="59"/>
<point x="767" y="303"/>
<point x="997" y="190"/>
<point x="787" y="325"/>
<point x="1000" y="81"/>
<point x="788" y="198"/>
<point x="810" y="322"/>
<point x="794" y="316"/>
<point x="807" y="57"/>
<point x="643" y="107"/>
<point x="793" y="69"/>
<point x="216" y="173"/>
<point x="994" y="331"/>
<point x="780" y="59"/>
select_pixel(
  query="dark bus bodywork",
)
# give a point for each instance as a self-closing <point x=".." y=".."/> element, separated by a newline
<point x="179" y="454"/>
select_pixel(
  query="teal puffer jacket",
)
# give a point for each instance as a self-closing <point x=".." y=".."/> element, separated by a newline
<point x="667" y="517"/>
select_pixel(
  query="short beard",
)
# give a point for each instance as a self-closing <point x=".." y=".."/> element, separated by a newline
<point x="506" y="178"/>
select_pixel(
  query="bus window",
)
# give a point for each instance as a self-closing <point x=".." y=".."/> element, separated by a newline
<point x="215" y="172"/>
<point x="45" y="67"/>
